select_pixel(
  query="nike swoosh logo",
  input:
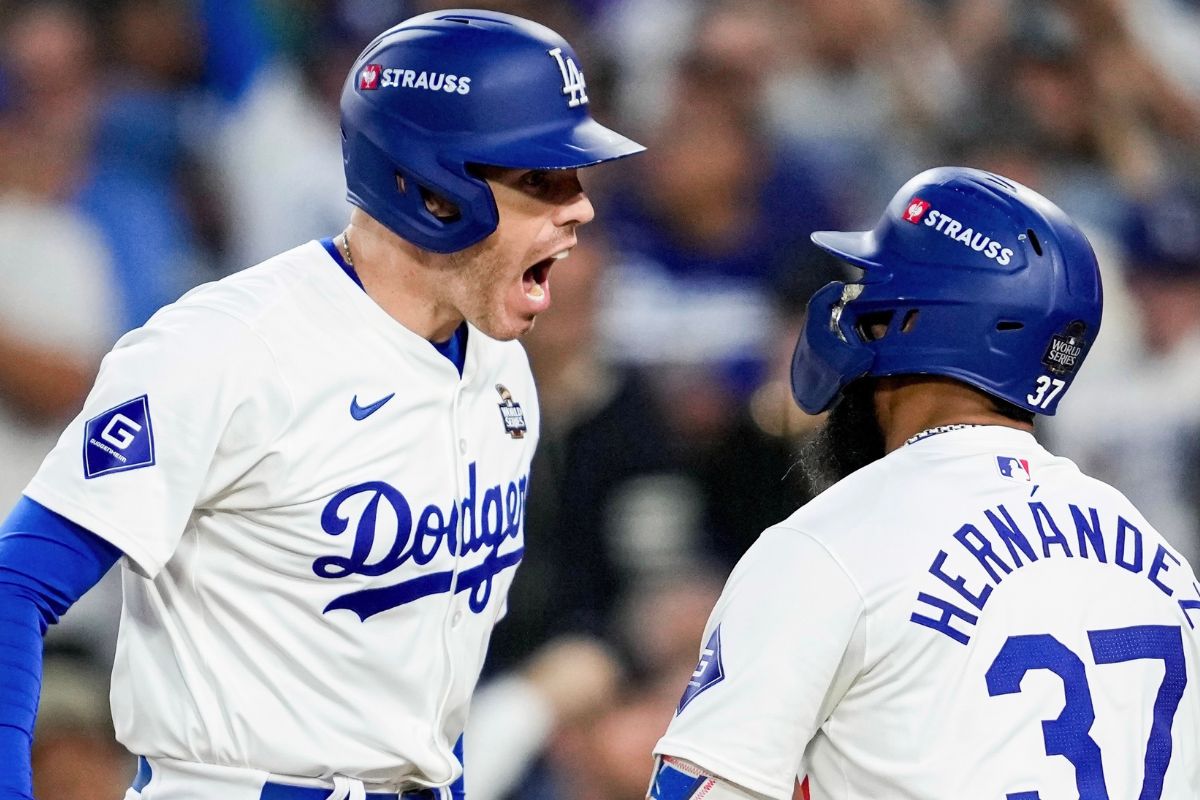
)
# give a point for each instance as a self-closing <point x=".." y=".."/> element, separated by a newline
<point x="362" y="412"/>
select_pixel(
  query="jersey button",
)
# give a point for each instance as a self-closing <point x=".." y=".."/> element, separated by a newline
<point x="462" y="446"/>
<point x="456" y="619"/>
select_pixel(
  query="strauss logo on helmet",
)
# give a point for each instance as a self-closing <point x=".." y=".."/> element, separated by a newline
<point x="369" y="77"/>
<point x="916" y="209"/>
<point x="967" y="236"/>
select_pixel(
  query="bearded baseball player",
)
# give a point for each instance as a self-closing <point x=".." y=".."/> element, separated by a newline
<point x="314" y="472"/>
<point x="960" y="614"/>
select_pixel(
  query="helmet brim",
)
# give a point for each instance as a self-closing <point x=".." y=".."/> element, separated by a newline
<point x="860" y="248"/>
<point x="584" y="144"/>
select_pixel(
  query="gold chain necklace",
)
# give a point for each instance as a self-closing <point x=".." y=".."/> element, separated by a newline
<point x="345" y="237"/>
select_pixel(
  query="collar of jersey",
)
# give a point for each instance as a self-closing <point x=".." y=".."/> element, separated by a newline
<point x="955" y="436"/>
<point x="358" y="306"/>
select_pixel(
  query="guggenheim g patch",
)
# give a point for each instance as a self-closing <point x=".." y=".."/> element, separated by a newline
<point x="119" y="439"/>
<point x="709" y="672"/>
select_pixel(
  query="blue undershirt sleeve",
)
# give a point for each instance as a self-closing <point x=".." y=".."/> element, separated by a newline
<point x="47" y="563"/>
<point x="458" y="789"/>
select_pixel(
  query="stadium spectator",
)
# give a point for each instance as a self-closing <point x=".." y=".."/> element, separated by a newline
<point x="1138" y="425"/>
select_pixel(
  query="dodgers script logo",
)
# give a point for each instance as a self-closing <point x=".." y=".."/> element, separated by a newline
<point x="487" y="523"/>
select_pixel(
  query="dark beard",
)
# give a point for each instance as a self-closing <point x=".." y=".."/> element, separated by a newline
<point x="849" y="440"/>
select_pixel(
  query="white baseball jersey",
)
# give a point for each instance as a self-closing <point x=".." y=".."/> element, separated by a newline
<point x="968" y="617"/>
<point x="321" y="522"/>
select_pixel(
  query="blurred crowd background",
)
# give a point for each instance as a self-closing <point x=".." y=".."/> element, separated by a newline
<point x="149" y="145"/>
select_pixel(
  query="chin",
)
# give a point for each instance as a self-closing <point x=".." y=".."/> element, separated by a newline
<point x="522" y="328"/>
<point x="505" y="331"/>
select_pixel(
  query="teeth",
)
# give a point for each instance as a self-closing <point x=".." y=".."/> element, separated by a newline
<point x="562" y="255"/>
<point x="536" y="292"/>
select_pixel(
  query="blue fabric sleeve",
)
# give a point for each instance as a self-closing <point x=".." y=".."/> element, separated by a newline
<point x="47" y="563"/>
<point x="458" y="790"/>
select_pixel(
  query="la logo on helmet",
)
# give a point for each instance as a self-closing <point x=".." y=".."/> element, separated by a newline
<point x="573" y="82"/>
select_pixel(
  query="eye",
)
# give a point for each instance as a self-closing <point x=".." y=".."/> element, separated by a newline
<point x="538" y="179"/>
<point x="556" y="186"/>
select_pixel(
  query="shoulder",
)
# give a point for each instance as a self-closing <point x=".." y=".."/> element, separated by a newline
<point x="221" y="331"/>
<point x="259" y="291"/>
<point x="243" y="318"/>
<point x="788" y="566"/>
<point x="1102" y="493"/>
<point x="873" y="522"/>
<point x="849" y="503"/>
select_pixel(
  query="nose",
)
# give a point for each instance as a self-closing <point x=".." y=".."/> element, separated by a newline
<point x="576" y="209"/>
<point x="586" y="212"/>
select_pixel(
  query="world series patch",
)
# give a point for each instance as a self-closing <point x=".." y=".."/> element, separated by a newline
<point x="1066" y="349"/>
<point x="511" y="413"/>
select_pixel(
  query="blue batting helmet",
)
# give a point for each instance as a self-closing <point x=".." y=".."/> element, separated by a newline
<point x="447" y="89"/>
<point x="967" y="275"/>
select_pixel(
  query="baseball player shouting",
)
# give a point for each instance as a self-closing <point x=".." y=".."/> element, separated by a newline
<point x="316" y="470"/>
<point x="961" y="614"/>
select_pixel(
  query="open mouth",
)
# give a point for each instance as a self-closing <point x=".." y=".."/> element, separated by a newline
<point x="536" y="279"/>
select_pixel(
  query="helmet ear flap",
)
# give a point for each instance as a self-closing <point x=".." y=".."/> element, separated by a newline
<point x="409" y="203"/>
<point x="435" y="204"/>
<point x="826" y="359"/>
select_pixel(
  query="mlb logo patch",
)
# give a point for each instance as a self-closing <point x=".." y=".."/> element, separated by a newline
<point x="120" y="439"/>
<point x="369" y="77"/>
<point x="1015" y="469"/>
<point x="916" y="210"/>
<point x="709" y="672"/>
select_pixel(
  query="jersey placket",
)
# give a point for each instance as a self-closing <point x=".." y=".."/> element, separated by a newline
<point x="453" y="615"/>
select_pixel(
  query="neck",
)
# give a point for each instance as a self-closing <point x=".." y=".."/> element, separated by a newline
<point x="907" y="405"/>
<point x="402" y="279"/>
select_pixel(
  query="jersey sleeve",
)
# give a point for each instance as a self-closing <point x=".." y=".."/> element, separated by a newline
<point x="781" y="646"/>
<point x="180" y="409"/>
